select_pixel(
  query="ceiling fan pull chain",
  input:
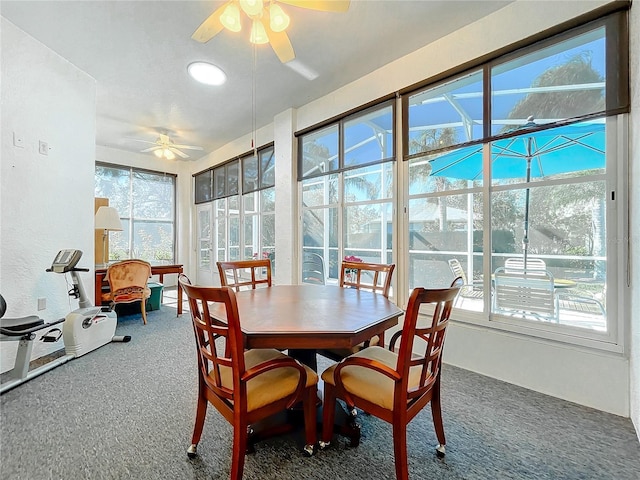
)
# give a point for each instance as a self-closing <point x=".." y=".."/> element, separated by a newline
<point x="253" y="98"/>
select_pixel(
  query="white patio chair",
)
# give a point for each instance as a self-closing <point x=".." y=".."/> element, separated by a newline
<point x="517" y="264"/>
<point x="529" y="295"/>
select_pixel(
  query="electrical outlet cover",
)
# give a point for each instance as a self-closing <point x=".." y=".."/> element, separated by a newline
<point x="18" y="141"/>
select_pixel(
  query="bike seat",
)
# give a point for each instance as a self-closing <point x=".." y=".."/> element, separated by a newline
<point x="20" y="324"/>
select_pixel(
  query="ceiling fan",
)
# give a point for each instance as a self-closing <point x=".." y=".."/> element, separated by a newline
<point x="165" y="147"/>
<point x="268" y="21"/>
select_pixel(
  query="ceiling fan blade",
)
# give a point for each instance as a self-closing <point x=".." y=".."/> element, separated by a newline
<point x="150" y="149"/>
<point x="302" y="69"/>
<point x="210" y="27"/>
<point x="139" y="140"/>
<point x="322" y="5"/>
<point x="178" y="152"/>
<point x="187" y="147"/>
<point x="281" y="45"/>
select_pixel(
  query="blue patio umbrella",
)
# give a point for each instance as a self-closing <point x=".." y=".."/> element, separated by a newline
<point x="535" y="154"/>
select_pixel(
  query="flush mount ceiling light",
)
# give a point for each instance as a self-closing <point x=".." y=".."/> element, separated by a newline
<point x="268" y="21"/>
<point x="206" y="73"/>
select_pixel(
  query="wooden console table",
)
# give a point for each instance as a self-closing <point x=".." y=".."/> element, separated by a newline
<point x="160" y="270"/>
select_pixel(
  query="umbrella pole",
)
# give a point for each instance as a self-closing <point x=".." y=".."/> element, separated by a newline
<point x="525" y="238"/>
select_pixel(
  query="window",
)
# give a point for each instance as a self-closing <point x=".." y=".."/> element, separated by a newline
<point x="146" y="203"/>
<point x="243" y="207"/>
<point x="346" y="182"/>
<point x="446" y="115"/>
<point x="534" y="182"/>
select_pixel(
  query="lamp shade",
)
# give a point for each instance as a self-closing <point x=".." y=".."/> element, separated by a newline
<point x="107" y="218"/>
<point x="278" y="20"/>
<point x="258" y="33"/>
<point x="230" y="18"/>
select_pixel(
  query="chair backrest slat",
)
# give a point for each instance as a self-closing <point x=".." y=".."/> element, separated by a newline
<point x="525" y="292"/>
<point x="246" y="274"/>
<point x="433" y="334"/>
<point x="354" y="275"/>
<point x="219" y="342"/>
<point x="534" y="265"/>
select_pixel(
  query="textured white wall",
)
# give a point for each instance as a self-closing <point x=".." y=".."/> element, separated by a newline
<point x="46" y="202"/>
<point x="286" y="184"/>
<point x="634" y="172"/>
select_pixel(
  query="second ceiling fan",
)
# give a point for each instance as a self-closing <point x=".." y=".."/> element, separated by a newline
<point x="165" y="147"/>
<point x="268" y="21"/>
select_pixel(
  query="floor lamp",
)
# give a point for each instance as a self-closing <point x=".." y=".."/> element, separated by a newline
<point x="107" y="219"/>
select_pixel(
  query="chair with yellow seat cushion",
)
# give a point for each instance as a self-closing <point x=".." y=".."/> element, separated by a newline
<point x="128" y="283"/>
<point x="244" y="386"/>
<point x="245" y="274"/>
<point x="396" y="386"/>
<point x="372" y="277"/>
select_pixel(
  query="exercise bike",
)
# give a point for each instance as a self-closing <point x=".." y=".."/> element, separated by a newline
<point x="83" y="330"/>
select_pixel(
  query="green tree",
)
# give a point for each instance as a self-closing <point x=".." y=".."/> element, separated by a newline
<point x="562" y="103"/>
<point x="573" y="205"/>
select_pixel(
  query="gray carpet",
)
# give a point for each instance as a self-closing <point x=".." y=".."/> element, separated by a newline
<point x="125" y="411"/>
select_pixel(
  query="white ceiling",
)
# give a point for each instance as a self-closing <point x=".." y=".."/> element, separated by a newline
<point x="138" y="52"/>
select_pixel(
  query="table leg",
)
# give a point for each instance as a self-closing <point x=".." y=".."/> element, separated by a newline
<point x="305" y="356"/>
<point x="179" y="300"/>
<point x="161" y="277"/>
<point x="345" y="422"/>
<point x="97" y="289"/>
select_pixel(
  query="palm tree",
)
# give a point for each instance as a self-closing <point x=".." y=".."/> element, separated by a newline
<point x="561" y="103"/>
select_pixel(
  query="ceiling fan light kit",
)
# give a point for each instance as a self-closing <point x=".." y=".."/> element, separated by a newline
<point x="268" y="21"/>
<point x="230" y="18"/>
<point x="278" y="20"/>
<point x="164" y="147"/>
<point x="165" y="152"/>
<point x="252" y="7"/>
<point x="258" y="33"/>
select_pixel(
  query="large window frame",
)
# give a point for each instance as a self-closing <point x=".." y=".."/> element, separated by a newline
<point x="145" y="236"/>
<point x="612" y="113"/>
<point x="242" y="193"/>
<point x="347" y="170"/>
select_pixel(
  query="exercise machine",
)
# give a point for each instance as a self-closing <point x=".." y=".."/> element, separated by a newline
<point x="83" y="330"/>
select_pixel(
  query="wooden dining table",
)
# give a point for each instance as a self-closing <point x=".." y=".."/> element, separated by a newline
<point x="311" y="317"/>
<point x="305" y="318"/>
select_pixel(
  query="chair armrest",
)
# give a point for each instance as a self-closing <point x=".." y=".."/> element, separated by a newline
<point x="570" y="297"/>
<point x="366" y="363"/>
<point x="392" y="343"/>
<point x="283" y="362"/>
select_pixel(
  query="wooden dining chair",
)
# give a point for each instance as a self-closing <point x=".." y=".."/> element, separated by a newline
<point x="244" y="386"/>
<point x="395" y="386"/>
<point x="128" y="284"/>
<point x="373" y="277"/>
<point x="245" y="274"/>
